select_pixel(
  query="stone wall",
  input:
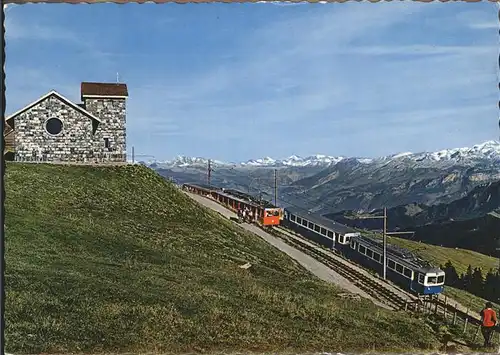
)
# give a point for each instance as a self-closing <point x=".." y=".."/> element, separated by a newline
<point x="74" y="143"/>
<point x="112" y="113"/>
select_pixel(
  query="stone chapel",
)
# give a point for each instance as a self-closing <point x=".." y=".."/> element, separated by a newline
<point x="55" y="129"/>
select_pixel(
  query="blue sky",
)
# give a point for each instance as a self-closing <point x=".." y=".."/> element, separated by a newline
<point x="239" y="81"/>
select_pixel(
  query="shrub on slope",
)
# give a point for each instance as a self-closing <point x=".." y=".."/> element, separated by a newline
<point x="116" y="259"/>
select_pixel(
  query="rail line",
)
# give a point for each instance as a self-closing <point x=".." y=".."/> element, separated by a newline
<point x="366" y="283"/>
<point x="376" y="289"/>
<point x="359" y="276"/>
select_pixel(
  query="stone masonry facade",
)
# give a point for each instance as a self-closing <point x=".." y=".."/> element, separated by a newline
<point x="82" y="139"/>
<point x="33" y="142"/>
<point x="112" y="113"/>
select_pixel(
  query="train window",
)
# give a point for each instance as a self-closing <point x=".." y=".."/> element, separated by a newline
<point x="431" y="280"/>
<point x="369" y="253"/>
<point x="304" y="223"/>
<point x="310" y="225"/>
<point x="292" y="218"/>
<point x="391" y="264"/>
<point x="353" y="245"/>
<point x="377" y="257"/>
<point x="407" y="273"/>
<point x="440" y="279"/>
<point x="323" y="231"/>
<point x="316" y="228"/>
<point x="362" y="249"/>
<point x="421" y="278"/>
<point x="341" y="239"/>
<point x="330" y="234"/>
<point x="298" y="220"/>
<point x="399" y="268"/>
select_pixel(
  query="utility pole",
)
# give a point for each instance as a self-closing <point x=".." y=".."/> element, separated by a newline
<point x="250" y="185"/>
<point x="209" y="171"/>
<point x="276" y="187"/>
<point x="133" y="155"/>
<point x="384" y="235"/>
<point x="384" y="268"/>
<point x="385" y="242"/>
<point x="209" y="175"/>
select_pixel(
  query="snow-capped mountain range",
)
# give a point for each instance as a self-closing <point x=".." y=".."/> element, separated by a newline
<point x="489" y="150"/>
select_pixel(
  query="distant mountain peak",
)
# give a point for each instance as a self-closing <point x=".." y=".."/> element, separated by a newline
<point x="400" y="155"/>
<point x="489" y="150"/>
<point x="486" y="150"/>
<point x="294" y="158"/>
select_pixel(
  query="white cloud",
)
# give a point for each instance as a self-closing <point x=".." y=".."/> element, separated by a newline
<point x="479" y="20"/>
<point x="15" y="30"/>
<point x="416" y="49"/>
<point x="485" y="25"/>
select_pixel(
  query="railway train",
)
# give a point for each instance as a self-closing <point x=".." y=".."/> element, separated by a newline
<point x="265" y="213"/>
<point x="403" y="267"/>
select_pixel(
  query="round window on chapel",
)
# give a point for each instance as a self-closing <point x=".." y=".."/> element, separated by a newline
<point x="54" y="126"/>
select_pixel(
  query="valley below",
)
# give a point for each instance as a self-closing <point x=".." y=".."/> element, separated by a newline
<point x="448" y="198"/>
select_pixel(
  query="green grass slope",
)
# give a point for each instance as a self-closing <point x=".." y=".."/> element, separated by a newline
<point x="117" y="260"/>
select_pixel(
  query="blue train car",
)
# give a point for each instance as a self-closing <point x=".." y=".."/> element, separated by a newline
<point x="402" y="267"/>
<point x="316" y="228"/>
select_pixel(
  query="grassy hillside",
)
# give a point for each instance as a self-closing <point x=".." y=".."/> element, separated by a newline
<point x="117" y="259"/>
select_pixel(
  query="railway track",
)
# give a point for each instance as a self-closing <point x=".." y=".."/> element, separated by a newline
<point x="379" y="290"/>
<point x="372" y="287"/>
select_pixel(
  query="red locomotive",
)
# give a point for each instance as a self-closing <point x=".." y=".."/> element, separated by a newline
<point x="261" y="212"/>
